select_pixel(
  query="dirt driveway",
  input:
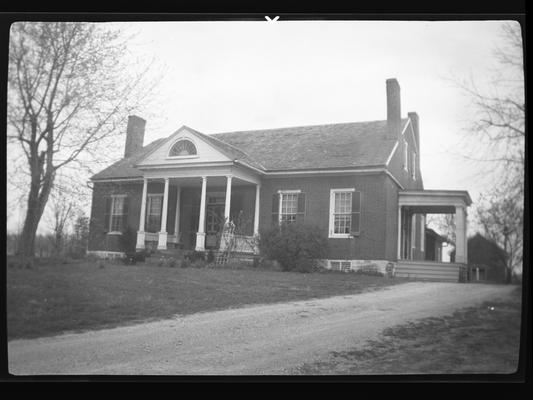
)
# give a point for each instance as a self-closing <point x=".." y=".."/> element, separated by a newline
<point x="265" y="339"/>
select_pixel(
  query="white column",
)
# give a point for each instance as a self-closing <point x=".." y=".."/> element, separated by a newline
<point x="162" y="243"/>
<point x="227" y="204"/>
<point x="177" y="219"/>
<point x="399" y="232"/>
<point x="140" y="232"/>
<point x="460" y="235"/>
<point x="200" y="235"/>
<point x="256" y="214"/>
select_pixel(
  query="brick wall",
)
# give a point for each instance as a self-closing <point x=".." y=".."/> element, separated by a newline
<point x="377" y="239"/>
<point x="98" y="238"/>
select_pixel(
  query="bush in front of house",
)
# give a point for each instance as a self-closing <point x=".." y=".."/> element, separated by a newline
<point x="296" y="247"/>
<point x="128" y="240"/>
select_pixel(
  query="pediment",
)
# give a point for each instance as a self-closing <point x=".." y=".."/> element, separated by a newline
<point x="205" y="151"/>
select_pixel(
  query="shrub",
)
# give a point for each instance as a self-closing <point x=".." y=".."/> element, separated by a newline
<point x="172" y="262"/>
<point x="128" y="240"/>
<point x="185" y="263"/>
<point x="210" y="257"/>
<point x="297" y="246"/>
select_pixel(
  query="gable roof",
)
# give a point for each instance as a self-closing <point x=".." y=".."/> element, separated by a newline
<point x="343" y="145"/>
<point x="125" y="168"/>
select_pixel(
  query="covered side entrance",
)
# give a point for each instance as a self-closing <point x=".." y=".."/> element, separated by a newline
<point x="423" y="202"/>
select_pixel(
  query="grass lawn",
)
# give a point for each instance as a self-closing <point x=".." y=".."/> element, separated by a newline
<point x="483" y="339"/>
<point x="50" y="299"/>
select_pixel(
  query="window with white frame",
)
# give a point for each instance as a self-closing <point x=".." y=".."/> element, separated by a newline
<point x="345" y="213"/>
<point x="153" y="212"/>
<point x="183" y="148"/>
<point x="117" y="213"/>
<point x="288" y="207"/>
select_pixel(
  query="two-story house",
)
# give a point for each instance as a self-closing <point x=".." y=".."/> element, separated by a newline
<point x="358" y="182"/>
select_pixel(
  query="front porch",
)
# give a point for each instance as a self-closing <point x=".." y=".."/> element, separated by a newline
<point x="419" y="265"/>
<point x="191" y="213"/>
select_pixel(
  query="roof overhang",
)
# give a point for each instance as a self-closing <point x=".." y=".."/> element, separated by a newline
<point x="434" y="201"/>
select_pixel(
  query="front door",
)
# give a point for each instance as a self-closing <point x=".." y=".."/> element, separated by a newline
<point x="214" y="220"/>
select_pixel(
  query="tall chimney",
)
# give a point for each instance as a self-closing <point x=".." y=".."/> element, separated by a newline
<point x="134" y="135"/>
<point x="394" y="114"/>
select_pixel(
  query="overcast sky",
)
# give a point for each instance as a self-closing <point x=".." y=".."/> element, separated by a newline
<point x="226" y="76"/>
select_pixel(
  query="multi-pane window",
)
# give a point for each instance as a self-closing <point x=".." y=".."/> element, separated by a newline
<point x="182" y="148"/>
<point x="153" y="213"/>
<point x="117" y="214"/>
<point x="342" y="213"/>
<point x="345" y="213"/>
<point x="289" y="207"/>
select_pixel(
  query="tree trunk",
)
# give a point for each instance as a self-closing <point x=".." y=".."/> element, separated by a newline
<point x="36" y="203"/>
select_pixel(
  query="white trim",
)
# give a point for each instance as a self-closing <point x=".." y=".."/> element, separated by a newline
<point x="406" y="155"/>
<point x="392" y="153"/>
<point x="117" y="179"/>
<point x="323" y="171"/>
<point x="331" y="227"/>
<point x="245" y="164"/>
<point x="406" y="125"/>
<point x="289" y="191"/>
<point x="412" y="133"/>
<point x="394" y="179"/>
<point x="114" y="233"/>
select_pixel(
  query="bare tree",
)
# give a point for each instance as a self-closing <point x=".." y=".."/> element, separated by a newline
<point x="498" y="140"/>
<point x="501" y="216"/>
<point x="62" y="210"/>
<point x="68" y="91"/>
<point x="498" y="131"/>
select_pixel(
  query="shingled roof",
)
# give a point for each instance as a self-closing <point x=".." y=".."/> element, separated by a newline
<point x="344" y="145"/>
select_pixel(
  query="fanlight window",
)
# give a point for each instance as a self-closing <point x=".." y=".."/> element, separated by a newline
<point x="182" y="148"/>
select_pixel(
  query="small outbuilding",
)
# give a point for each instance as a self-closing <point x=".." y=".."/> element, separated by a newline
<point x="486" y="260"/>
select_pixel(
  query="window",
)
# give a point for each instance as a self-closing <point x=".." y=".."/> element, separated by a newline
<point x="117" y="209"/>
<point x="288" y="206"/>
<point x="153" y="212"/>
<point x="345" y="213"/>
<point x="182" y="148"/>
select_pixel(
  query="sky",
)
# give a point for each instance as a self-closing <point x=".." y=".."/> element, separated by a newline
<point x="228" y="76"/>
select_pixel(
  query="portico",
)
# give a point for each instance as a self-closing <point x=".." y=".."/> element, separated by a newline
<point x="413" y="202"/>
<point x="202" y="204"/>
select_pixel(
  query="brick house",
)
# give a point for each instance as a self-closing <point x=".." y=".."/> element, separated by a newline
<point x="359" y="182"/>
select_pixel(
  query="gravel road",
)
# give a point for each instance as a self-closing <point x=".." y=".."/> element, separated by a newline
<point x="264" y="339"/>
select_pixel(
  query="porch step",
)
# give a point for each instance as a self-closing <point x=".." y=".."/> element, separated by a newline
<point x="428" y="271"/>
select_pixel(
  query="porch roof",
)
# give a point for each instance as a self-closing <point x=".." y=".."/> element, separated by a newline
<point x="434" y="201"/>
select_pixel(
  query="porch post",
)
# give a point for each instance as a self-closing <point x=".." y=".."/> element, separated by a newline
<point x="140" y="232"/>
<point x="460" y="235"/>
<point x="227" y="204"/>
<point x="200" y="235"/>
<point x="177" y="219"/>
<point x="256" y="214"/>
<point x="162" y="243"/>
<point x="399" y="232"/>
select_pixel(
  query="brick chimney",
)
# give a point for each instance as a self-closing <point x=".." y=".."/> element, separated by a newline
<point x="394" y="114"/>
<point x="134" y="135"/>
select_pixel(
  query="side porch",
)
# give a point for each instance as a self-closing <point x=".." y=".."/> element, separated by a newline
<point x="429" y="265"/>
